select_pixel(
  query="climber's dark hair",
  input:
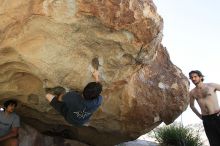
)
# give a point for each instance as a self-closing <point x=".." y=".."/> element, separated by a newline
<point x="196" y="72"/>
<point x="92" y="90"/>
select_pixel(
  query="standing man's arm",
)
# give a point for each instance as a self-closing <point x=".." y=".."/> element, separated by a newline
<point x="216" y="86"/>
<point x="11" y="134"/>
<point x="192" y="106"/>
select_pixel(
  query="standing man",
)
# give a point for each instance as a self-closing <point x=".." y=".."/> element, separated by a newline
<point x="74" y="107"/>
<point x="206" y="97"/>
<point x="9" y="124"/>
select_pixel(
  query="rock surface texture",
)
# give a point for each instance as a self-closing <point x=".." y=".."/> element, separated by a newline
<point x="63" y="40"/>
<point x="28" y="136"/>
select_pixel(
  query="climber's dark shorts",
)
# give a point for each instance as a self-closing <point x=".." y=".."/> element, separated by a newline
<point x="59" y="106"/>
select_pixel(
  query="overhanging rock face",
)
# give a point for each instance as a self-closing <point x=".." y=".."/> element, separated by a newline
<point x="62" y="41"/>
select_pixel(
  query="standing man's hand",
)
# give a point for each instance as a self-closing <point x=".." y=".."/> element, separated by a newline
<point x="95" y="75"/>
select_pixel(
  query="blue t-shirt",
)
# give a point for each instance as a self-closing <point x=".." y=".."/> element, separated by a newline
<point x="8" y="122"/>
<point x="79" y="109"/>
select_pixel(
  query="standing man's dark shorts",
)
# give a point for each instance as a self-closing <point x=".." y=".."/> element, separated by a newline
<point x="212" y="128"/>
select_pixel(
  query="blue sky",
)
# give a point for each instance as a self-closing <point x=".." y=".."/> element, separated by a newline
<point x="191" y="36"/>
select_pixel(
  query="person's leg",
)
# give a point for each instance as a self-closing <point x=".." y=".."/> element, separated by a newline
<point x="50" y="97"/>
<point x="215" y="123"/>
<point x="212" y="129"/>
<point x="55" y="92"/>
<point x="209" y="132"/>
<point x="59" y="106"/>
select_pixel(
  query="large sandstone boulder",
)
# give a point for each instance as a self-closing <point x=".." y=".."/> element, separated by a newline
<point x="62" y="41"/>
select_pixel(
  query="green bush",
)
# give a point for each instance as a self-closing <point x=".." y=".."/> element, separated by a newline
<point x="177" y="135"/>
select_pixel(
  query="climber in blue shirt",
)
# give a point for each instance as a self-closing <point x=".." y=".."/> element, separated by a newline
<point x="74" y="107"/>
